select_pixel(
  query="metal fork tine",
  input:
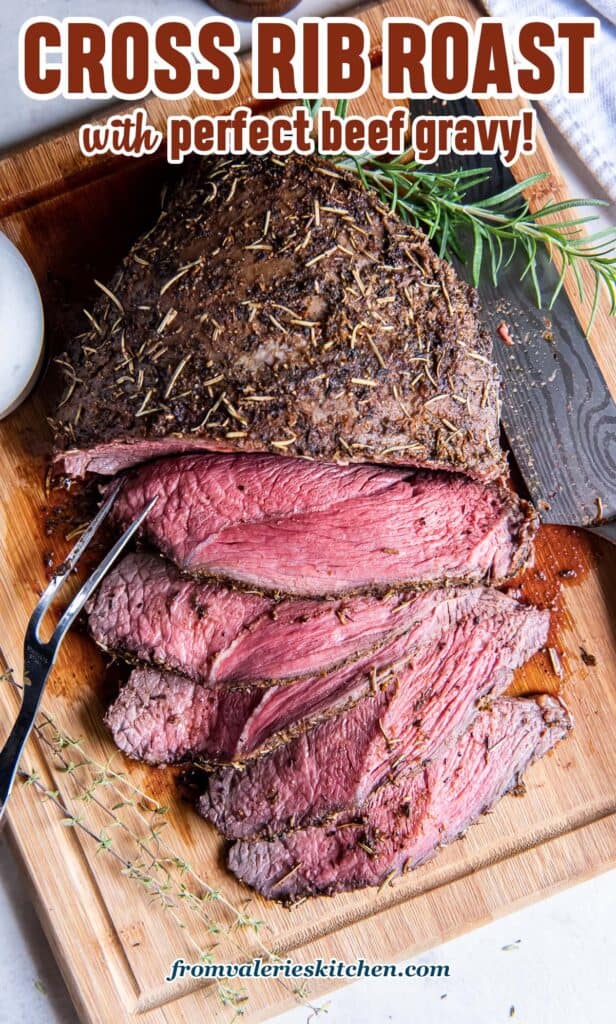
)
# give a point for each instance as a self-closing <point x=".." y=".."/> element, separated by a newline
<point x="39" y="657"/>
<point x="97" y="576"/>
<point x="71" y="561"/>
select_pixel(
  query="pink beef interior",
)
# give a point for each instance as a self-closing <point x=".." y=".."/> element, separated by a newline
<point x="406" y="717"/>
<point x="278" y="713"/>
<point x="312" y="529"/>
<point x="160" y="717"/>
<point x="215" y="634"/>
<point x="404" y="822"/>
<point x="424" y="618"/>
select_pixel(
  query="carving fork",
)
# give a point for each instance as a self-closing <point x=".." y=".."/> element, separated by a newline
<point x="39" y="655"/>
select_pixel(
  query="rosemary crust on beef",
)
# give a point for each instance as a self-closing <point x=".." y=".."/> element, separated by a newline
<point x="277" y="305"/>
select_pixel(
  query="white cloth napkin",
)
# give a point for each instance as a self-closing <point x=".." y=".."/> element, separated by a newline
<point x="588" y="122"/>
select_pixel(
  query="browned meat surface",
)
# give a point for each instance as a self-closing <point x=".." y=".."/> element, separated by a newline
<point x="278" y="306"/>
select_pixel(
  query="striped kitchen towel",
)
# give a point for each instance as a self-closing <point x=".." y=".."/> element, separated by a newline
<point x="588" y="122"/>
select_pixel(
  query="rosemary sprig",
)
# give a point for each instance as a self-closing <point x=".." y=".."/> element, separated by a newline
<point x="486" y="234"/>
<point x="497" y="226"/>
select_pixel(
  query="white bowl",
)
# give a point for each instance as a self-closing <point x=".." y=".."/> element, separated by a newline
<point x="21" y="328"/>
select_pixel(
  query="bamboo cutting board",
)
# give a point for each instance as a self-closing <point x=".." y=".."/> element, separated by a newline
<point x="73" y="219"/>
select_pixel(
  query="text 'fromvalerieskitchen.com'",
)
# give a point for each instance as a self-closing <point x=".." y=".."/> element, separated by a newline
<point x="287" y="968"/>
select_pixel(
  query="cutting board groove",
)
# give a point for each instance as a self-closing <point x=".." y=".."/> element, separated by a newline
<point x="73" y="219"/>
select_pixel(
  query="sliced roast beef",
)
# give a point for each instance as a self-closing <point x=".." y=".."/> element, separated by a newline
<point x="317" y="529"/>
<point x="274" y="715"/>
<point x="405" y="716"/>
<point x="405" y="821"/>
<point x="160" y="717"/>
<point x="214" y="634"/>
<point x="284" y="712"/>
<point x="280" y="713"/>
<point x="145" y="609"/>
<point x="277" y="305"/>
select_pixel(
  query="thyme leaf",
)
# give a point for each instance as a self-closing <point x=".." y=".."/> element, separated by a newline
<point x="123" y="822"/>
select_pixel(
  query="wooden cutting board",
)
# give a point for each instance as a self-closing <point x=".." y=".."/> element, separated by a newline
<point x="73" y="219"/>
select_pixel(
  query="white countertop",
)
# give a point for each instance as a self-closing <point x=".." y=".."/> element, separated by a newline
<point x="562" y="969"/>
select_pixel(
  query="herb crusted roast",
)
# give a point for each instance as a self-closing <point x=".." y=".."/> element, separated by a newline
<point x="278" y="306"/>
<point x="304" y="387"/>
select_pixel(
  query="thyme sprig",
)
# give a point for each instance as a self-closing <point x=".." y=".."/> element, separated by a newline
<point x="126" y="824"/>
<point x="487" y="233"/>
<point x="141" y="872"/>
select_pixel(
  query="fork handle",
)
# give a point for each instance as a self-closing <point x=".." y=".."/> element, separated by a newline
<point x="18" y="737"/>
